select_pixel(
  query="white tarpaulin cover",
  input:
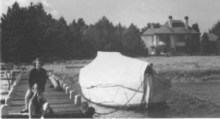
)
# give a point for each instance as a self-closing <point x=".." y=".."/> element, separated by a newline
<point x="115" y="80"/>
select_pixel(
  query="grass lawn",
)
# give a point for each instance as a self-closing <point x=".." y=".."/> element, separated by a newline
<point x="176" y="69"/>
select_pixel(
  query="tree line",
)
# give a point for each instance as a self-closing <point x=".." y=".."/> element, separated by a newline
<point x="30" y="32"/>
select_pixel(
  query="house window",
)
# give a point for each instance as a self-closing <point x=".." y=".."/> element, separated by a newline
<point x="180" y="49"/>
<point x="165" y="39"/>
<point x="180" y="41"/>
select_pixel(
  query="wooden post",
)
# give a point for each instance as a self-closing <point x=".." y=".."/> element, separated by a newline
<point x="72" y="94"/>
<point x="61" y="83"/>
<point x="84" y="107"/>
<point x="85" y="104"/>
<point x="54" y="82"/>
<point x="8" y="101"/>
<point x="77" y="100"/>
<point x="67" y="90"/>
<point x="4" y="109"/>
<point x="64" y="86"/>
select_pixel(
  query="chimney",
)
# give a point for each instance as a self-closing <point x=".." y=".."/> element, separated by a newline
<point x="170" y="21"/>
<point x="151" y="25"/>
<point x="186" y="22"/>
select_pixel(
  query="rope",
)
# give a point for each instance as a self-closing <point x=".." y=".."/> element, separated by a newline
<point x="98" y="113"/>
<point x="100" y="85"/>
<point x="122" y="106"/>
<point x="163" y="79"/>
<point x="109" y="86"/>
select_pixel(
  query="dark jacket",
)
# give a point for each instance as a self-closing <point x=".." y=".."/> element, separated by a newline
<point x="38" y="76"/>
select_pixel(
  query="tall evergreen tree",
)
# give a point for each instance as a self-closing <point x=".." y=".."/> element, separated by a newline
<point x="57" y="37"/>
<point x="196" y="27"/>
<point x="101" y="34"/>
<point x="106" y="33"/>
<point x="12" y="33"/>
<point x="132" y="43"/>
<point x="90" y="47"/>
<point x="216" y="29"/>
<point x="117" y="41"/>
<point x="77" y="30"/>
<point x="195" y="40"/>
<point x="22" y="32"/>
<point x="205" y="44"/>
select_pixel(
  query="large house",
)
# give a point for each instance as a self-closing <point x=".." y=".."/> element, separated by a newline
<point x="169" y="38"/>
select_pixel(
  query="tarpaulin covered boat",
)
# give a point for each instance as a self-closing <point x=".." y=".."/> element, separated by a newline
<point x="113" y="79"/>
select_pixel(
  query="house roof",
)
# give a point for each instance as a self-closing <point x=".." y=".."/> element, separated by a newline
<point x="161" y="30"/>
<point x="178" y="27"/>
<point x="150" y="31"/>
<point x="182" y="30"/>
<point x="212" y="37"/>
<point x="164" y="30"/>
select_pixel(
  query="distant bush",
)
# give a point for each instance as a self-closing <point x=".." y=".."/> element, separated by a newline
<point x="191" y="75"/>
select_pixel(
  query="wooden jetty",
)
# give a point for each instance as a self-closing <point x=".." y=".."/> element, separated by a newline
<point x="65" y="104"/>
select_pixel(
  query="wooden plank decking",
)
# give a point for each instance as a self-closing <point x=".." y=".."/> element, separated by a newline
<point x="62" y="105"/>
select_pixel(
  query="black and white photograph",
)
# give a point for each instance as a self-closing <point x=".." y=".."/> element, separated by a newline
<point x="110" y="59"/>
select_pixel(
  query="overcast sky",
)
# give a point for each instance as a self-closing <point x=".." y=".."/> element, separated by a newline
<point x="204" y="12"/>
